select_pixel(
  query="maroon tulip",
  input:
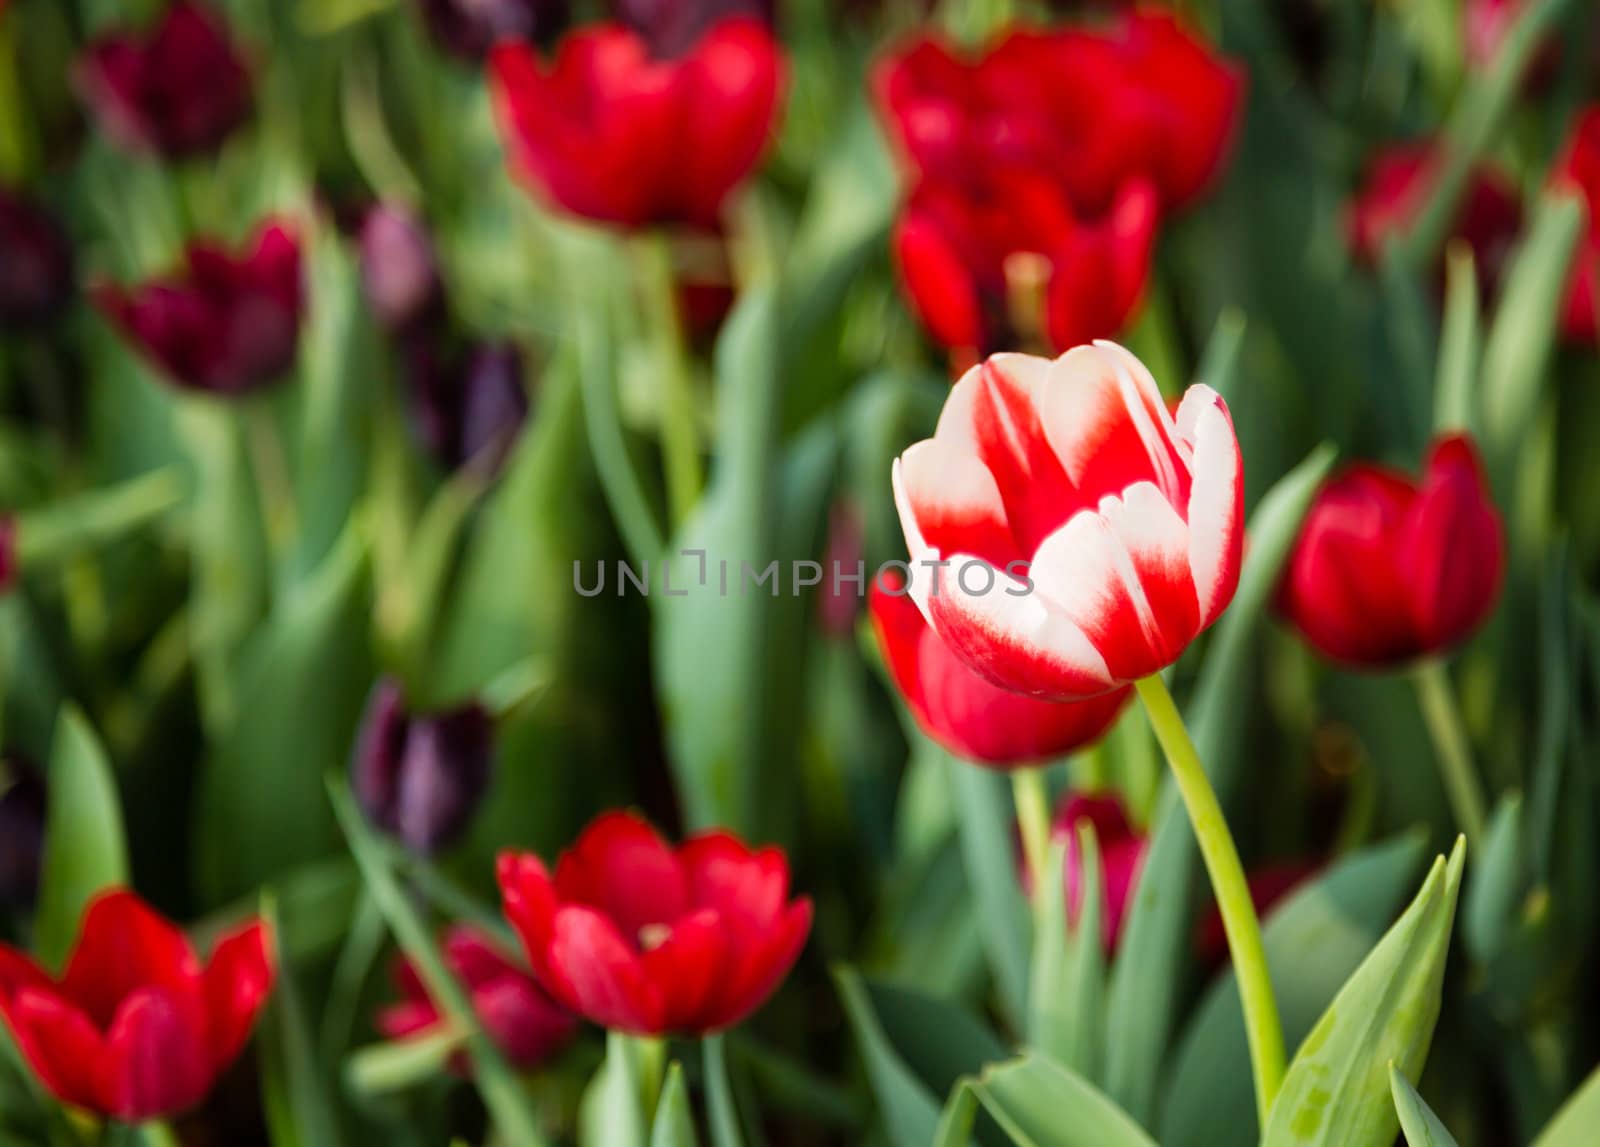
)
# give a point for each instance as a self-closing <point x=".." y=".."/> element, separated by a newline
<point x="839" y="602"/>
<point x="671" y="27"/>
<point x="963" y="712"/>
<point x="1579" y="170"/>
<point x="1398" y="184"/>
<point x="466" y="408"/>
<point x="22" y="811"/>
<point x="608" y="133"/>
<point x="229" y="325"/>
<point x="524" y="1023"/>
<point x="399" y="272"/>
<point x="421" y="777"/>
<point x="178" y="91"/>
<point x="8" y="553"/>
<point x="137" y="1028"/>
<point x="1122" y="850"/>
<point x="1387" y="569"/>
<point x="645" y="939"/>
<point x="36" y="279"/>
<point x="468" y="29"/>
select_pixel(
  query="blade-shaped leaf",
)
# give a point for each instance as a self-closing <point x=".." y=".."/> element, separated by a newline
<point x="983" y="816"/>
<point x="1064" y="1010"/>
<point x="1574" y="1124"/>
<point x="1042" y="1104"/>
<point x="1417" y="1120"/>
<point x="674" y="1123"/>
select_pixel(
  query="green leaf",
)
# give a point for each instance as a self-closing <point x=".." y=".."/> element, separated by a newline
<point x="398" y="1064"/>
<point x="70" y="526"/>
<point x="1142" y="1003"/>
<point x="1336" y="1092"/>
<point x="1417" y="1120"/>
<point x="613" y="1111"/>
<point x="727" y="1128"/>
<point x="1314" y="941"/>
<point x="984" y="819"/>
<point x="1574" y="1124"/>
<point x="1065" y="1016"/>
<point x="1042" y="1104"/>
<point x="955" y="1122"/>
<point x="299" y="1107"/>
<point x="1460" y="345"/>
<point x="85" y="851"/>
<point x="1493" y="898"/>
<point x="674" y="1124"/>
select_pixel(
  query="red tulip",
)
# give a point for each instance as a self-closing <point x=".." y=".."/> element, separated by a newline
<point x="1579" y="170"/>
<point x="1397" y="187"/>
<point x="1122" y="850"/>
<point x="229" y="325"/>
<point x="645" y="939"/>
<point x="1387" y="569"/>
<point x="8" y="552"/>
<point x="608" y="133"/>
<point x="524" y="1023"/>
<point x="137" y="1028"/>
<point x="178" y="91"/>
<point x="36" y="279"/>
<point x="962" y="711"/>
<point x="1068" y="534"/>
<point x="960" y="254"/>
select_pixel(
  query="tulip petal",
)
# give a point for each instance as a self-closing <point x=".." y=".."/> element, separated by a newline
<point x="530" y="907"/>
<point x="621" y="866"/>
<point x="125" y="945"/>
<point x="938" y="282"/>
<point x="237" y="983"/>
<point x="526" y="1025"/>
<point x="62" y="1046"/>
<point x="18" y="971"/>
<point x="688" y="967"/>
<point x="747" y="889"/>
<point x="1451" y="548"/>
<point x="408" y="1018"/>
<point x="156" y="1062"/>
<point x="1215" y="509"/>
<point x="595" y="972"/>
<point x="957" y="505"/>
<point x="728" y="89"/>
<point x="761" y="971"/>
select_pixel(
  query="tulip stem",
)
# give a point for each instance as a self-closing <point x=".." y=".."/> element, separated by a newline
<point x="1262" y="1027"/>
<point x="1437" y="699"/>
<point x="680" y="438"/>
<point x="1032" y="796"/>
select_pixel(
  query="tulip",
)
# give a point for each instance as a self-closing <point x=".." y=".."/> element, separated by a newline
<point x="1388" y="570"/>
<point x="229" y="325"/>
<point x="469" y="29"/>
<point x="962" y="711"/>
<point x="1579" y="170"/>
<point x="466" y="409"/>
<point x="399" y="272"/>
<point x="137" y="1028"/>
<point x="22" y="812"/>
<point x="523" y="1022"/>
<point x="645" y="939"/>
<point x="9" y="566"/>
<point x="36" y="279"/>
<point x="610" y="134"/>
<point x="1068" y="536"/>
<point x="1122" y="851"/>
<point x="177" y="92"/>
<point x="1398" y="185"/>
<point x="1270" y="885"/>
<point x="671" y="27"/>
<point x="838" y="606"/>
<point x="421" y="777"/>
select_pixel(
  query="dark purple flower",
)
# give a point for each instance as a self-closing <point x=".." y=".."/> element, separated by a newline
<point x="420" y="776"/>
<point x="467" y="29"/>
<point x="177" y="91"/>
<point x="399" y="271"/>
<point x="35" y="263"/>
<point x="22" y="804"/>
<point x="468" y="407"/>
<point x="672" y="27"/>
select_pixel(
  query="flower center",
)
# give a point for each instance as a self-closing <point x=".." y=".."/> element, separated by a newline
<point x="652" y="936"/>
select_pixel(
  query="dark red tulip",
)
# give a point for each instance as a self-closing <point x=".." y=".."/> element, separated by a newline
<point x="1397" y="186"/>
<point x="466" y="406"/>
<point x="1122" y="850"/>
<point x="671" y="27"/>
<point x="8" y="552"/>
<point x="36" y="279"/>
<point x="609" y="133"/>
<point x="421" y="776"/>
<point x="525" y="1024"/>
<point x="137" y="1028"/>
<point x="839" y="601"/>
<point x="1579" y="170"/>
<point x="1269" y="886"/>
<point x="468" y="29"/>
<point x="399" y="271"/>
<point x="643" y="938"/>
<point x="228" y="324"/>
<point x="1388" y="569"/>
<point x="22" y="811"/>
<point x="177" y="91"/>
<point x="964" y="713"/>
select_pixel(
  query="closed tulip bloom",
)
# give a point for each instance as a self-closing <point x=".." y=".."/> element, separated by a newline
<point x="671" y="27"/>
<point x="609" y="133"/>
<point x="421" y="776"/>
<point x="646" y="939"/>
<point x="466" y="407"/>
<point x="178" y="91"/>
<point x="22" y="810"/>
<point x="468" y="29"/>
<point x="399" y="272"/>
<point x="524" y="1023"/>
<point x="35" y="264"/>
<point x="1122" y="850"/>
<point x="137" y="1028"/>
<point x="228" y="324"/>
<point x="1068" y="534"/>
<point x="966" y="714"/>
<point x="1579" y="170"/>
<point x="1388" y="569"/>
<point x="8" y="552"/>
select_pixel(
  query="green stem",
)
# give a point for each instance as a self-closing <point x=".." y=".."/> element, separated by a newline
<point x="1437" y="699"/>
<point x="680" y="437"/>
<point x="270" y="461"/>
<point x="1032" y="796"/>
<point x="727" y="1128"/>
<point x="1262" y="1027"/>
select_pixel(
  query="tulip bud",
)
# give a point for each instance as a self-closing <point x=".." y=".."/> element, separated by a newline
<point x="178" y="91"/>
<point x="398" y="269"/>
<point x="35" y="264"/>
<point x="671" y="27"/>
<point x="1121" y="849"/>
<point x="420" y="777"/>
<point x="8" y="552"/>
<point x="22" y="809"/>
<point x="1578" y="170"/>
<point x="840" y="600"/>
<point x="467" y="29"/>
<point x="470" y="409"/>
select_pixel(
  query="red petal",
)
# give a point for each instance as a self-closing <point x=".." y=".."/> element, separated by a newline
<point x="157" y="1063"/>
<point x="728" y="93"/>
<point x="939" y="283"/>
<point x="760" y="970"/>
<point x="747" y="889"/>
<point x="523" y="1022"/>
<point x="689" y="966"/>
<point x="623" y="868"/>
<point x="1215" y="512"/>
<point x="1452" y="547"/>
<point x="595" y="972"/>
<point x="402" y="1020"/>
<point x="530" y="907"/>
<point x="237" y="983"/>
<point x="125" y="945"/>
<point x="62" y="1046"/>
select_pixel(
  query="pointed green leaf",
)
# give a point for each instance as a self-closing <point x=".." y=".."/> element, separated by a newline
<point x="1500" y="879"/>
<point x="71" y="525"/>
<point x="1042" y="1104"/>
<point x="984" y="819"/>
<point x="1574" y="1124"/>
<point x="613" y="1113"/>
<point x="1417" y="1120"/>
<point x="955" y="1123"/>
<point x="1065" y="1011"/>
<point x="674" y="1124"/>
<point x="1460" y="345"/>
